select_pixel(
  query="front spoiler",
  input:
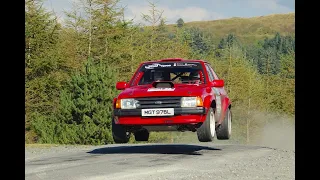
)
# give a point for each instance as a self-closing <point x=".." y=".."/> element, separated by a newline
<point x="177" y="111"/>
<point x="181" y="116"/>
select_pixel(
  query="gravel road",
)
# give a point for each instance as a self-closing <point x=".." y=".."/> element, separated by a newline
<point x="159" y="161"/>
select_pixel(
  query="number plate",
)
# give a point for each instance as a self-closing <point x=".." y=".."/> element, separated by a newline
<point x="157" y="112"/>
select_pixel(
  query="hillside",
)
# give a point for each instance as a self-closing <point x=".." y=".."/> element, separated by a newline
<point x="248" y="30"/>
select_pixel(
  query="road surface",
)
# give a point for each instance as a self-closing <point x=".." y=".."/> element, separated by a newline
<point x="159" y="161"/>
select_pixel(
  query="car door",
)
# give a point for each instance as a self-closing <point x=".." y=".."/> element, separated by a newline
<point x="224" y="100"/>
<point x="216" y="92"/>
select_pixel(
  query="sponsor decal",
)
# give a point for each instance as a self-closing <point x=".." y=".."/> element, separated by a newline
<point x="161" y="89"/>
<point x="155" y="65"/>
<point x="218" y="101"/>
<point x="184" y="64"/>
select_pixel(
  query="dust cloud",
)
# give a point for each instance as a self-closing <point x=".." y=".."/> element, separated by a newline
<point x="265" y="129"/>
<point x="276" y="131"/>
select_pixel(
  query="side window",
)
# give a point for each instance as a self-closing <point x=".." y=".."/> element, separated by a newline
<point x="210" y="72"/>
<point x="214" y="74"/>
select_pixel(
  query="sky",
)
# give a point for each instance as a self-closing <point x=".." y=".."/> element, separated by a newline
<point x="190" y="10"/>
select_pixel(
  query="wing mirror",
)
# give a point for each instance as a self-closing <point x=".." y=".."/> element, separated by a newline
<point x="217" y="83"/>
<point x="121" y="85"/>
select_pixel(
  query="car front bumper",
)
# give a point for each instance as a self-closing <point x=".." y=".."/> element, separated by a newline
<point x="181" y="116"/>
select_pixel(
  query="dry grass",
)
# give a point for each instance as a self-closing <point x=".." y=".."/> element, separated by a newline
<point x="41" y="145"/>
<point x="248" y="30"/>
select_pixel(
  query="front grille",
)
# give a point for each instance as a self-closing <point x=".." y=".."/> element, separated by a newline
<point x="158" y="102"/>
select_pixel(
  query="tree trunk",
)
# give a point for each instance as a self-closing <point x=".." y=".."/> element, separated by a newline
<point x="90" y="29"/>
<point x="248" y="122"/>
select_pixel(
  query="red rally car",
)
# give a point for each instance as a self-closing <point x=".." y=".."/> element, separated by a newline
<point x="172" y="95"/>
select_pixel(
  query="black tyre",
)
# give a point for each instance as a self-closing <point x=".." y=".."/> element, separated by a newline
<point x="119" y="133"/>
<point x="207" y="130"/>
<point x="141" y="135"/>
<point x="224" y="131"/>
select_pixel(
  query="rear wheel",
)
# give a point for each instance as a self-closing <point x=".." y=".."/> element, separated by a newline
<point x="224" y="131"/>
<point x="207" y="130"/>
<point x="141" y="135"/>
<point x="119" y="133"/>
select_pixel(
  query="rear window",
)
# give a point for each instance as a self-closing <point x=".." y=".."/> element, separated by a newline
<point x="176" y="72"/>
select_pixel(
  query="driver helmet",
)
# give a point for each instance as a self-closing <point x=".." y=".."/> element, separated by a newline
<point x="194" y="75"/>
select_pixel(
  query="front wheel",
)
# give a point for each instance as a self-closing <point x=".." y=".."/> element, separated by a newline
<point x="141" y="135"/>
<point x="224" y="131"/>
<point x="119" y="133"/>
<point x="207" y="130"/>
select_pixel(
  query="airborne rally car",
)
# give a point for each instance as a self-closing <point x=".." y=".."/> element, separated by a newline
<point x="172" y="95"/>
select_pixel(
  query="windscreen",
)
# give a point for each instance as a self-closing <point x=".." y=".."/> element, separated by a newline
<point x="175" y="72"/>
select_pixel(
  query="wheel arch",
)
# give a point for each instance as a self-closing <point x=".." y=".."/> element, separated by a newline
<point x="213" y="105"/>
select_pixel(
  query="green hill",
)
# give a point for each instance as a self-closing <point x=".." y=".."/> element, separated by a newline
<point x="248" y="30"/>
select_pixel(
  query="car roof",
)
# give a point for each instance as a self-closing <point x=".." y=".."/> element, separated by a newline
<point x="177" y="60"/>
